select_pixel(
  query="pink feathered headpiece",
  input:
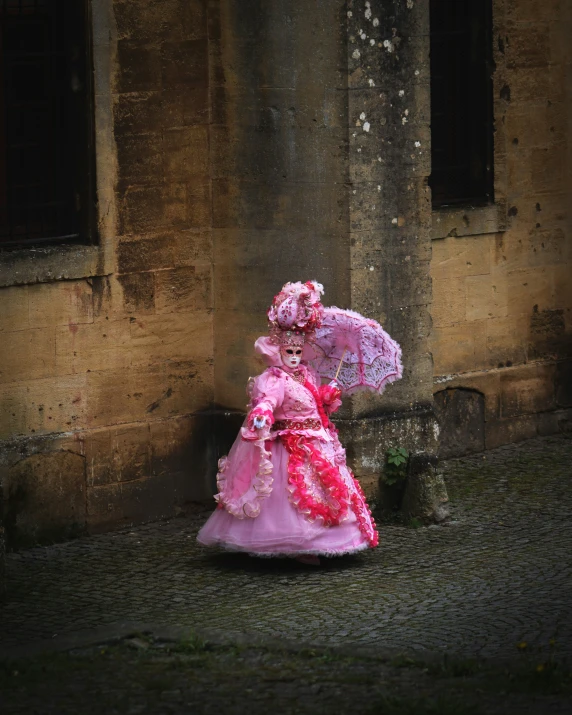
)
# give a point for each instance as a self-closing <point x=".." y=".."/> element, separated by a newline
<point x="295" y="313"/>
<point x="297" y="307"/>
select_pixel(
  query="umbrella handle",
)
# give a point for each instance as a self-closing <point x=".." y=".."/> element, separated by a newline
<point x="340" y="365"/>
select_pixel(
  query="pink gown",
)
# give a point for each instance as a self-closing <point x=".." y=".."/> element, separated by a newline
<point x="286" y="490"/>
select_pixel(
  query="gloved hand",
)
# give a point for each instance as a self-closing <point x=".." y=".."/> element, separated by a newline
<point x="259" y="422"/>
<point x="259" y="418"/>
<point x="330" y="393"/>
<point x="331" y="397"/>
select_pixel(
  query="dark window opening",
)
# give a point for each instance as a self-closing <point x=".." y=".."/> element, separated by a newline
<point x="46" y="167"/>
<point x="461" y="102"/>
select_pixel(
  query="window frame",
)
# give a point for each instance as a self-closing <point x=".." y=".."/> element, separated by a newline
<point x="67" y="148"/>
<point x="67" y="261"/>
<point x="475" y="220"/>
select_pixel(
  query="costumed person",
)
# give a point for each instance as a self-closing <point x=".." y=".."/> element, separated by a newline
<point x="285" y="488"/>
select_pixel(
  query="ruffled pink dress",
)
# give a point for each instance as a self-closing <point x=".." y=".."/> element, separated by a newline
<point x="286" y="490"/>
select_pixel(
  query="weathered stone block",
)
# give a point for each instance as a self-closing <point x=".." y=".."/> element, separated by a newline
<point x="27" y="354"/>
<point x="547" y="247"/>
<point x="45" y="498"/>
<point x="138" y="292"/>
<point x="140" y="159"/>
<point x="129" y="503"/>
<point x="449" y="301"/>
<point x="548" y="167"/>
<point x="456" y="257"/>
<point x="164" y="250"/>
<point x="199" y="204"/>
<point x="527" y="47"/>
<point x="563" y="286"/>
<point x="510" y="430"/>
<point x="461" y="415"/>
<point x="238" y="204"/>
<point x="104" y="507"/>
<point x="527" y="389"/>
<point x="556" y="422"/>
<point x="91" y="347"/>
<point x="184" y="289"/>
<point x="530" y="289"/>
<point x="550" y="210"/>
<point x="185" y="106"/>
<point x="238" y="255"/>
<point x="13" y="397"/>
<point x="149" y="392"/>
<point x="186" y="448"/>
<point x="63" y="303"/>
<point x="487" y="297"/>
<point x="14" y="314"/>
<point x="563" y="383"/>
<point x="459" y="348"/>
<point x="186" y="152"/>
<point x="149" y="208"/>
<point x="184" y="63"/>
<point x="308" y="110"/>
<point x="139" y="67"/>
<point x="536" y="84"/>
<point x="148" y="21"/>
<point x="519" y="171"/>
<point x="536" y="126"/>
<point x="137" y="113"/>
<point x="405" y="284"/>
<point x="507" y="340"/>
<point x="367" y="440"/>
<point x="171" y="336"/>
<point x="119" y="454"/>
<point x="309" y="155"/>
<point x="425" y="495"/>
<point x="548" y="336"/>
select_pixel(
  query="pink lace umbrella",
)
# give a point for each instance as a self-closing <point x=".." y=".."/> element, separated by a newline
<point x="355" y="351"/>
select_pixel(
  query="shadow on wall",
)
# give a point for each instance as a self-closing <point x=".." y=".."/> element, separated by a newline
<point x="461" y="415"/>
<point x="47" y="497"/>
<point x="221" y="429"/>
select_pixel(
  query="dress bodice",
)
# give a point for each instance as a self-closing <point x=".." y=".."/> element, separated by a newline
<point x="298" y="402"/>
<point x="278" y="393"/>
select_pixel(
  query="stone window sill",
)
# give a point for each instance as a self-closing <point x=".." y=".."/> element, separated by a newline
<point x="469" y="220"/>
<point x="51" y="263"/>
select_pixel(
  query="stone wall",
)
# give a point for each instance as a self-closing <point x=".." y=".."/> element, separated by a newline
<point x="279" y="166"/>
<point x="105" y="375"/>
<point x="502" y="295"/>
<point x="232" y="155"/>
<point x="390" y="219"/>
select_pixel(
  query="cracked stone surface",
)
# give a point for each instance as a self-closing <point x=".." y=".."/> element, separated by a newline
<point x="500" y="572"/>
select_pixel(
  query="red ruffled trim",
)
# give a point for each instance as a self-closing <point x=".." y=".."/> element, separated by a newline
<point x="360" y="508"/>
<point x="319" y="404"/>
<point x="299" y="451"/>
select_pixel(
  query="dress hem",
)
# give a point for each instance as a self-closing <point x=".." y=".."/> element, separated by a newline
<point x="288" y="554"/>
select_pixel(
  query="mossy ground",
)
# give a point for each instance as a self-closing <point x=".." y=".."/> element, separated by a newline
<point x="139" y="674"/>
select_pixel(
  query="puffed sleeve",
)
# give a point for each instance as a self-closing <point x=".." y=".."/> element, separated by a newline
<point x="267" y="394"/>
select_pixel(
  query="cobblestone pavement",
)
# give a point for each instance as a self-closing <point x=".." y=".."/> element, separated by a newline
<point x="499" y="573"/>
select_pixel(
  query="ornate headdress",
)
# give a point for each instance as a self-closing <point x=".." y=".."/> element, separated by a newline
<point x="296" y="310"/>
<point x="292" y="339"/>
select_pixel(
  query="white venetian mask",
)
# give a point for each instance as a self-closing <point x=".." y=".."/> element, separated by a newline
<point x="291" y="355"/>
